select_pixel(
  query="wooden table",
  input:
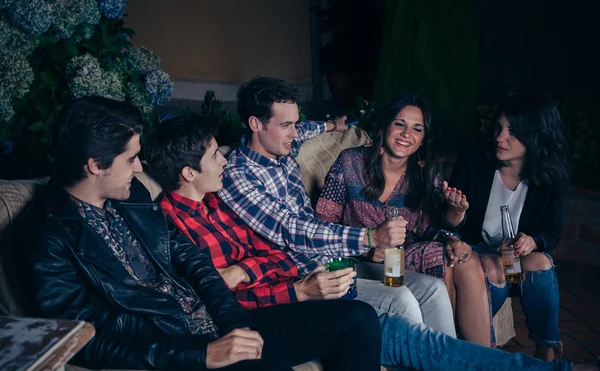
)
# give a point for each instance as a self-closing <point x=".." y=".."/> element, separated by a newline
<point x="40" y="344"/>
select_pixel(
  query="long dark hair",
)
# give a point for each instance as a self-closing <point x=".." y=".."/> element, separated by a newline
<point x="420" y="179"/>
<point x="535" y="121"/>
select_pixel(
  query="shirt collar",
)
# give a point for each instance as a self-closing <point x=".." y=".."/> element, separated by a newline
<point x="183" y="203"/>
<point x="257" y="157"/>
<point x="90" y="212"/>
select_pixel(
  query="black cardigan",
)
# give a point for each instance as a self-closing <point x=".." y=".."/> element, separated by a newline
<point x="542" y="215"/>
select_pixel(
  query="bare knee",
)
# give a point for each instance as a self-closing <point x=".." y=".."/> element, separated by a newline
<point x="536" y="261"/>
<point x="469" y="270"/>
<point x="493" y="267"/>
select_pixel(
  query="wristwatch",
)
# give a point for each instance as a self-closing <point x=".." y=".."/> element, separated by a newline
<point x="445" y="234"/>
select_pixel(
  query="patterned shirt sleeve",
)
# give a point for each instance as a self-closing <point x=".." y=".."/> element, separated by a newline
<point x="245" y="194"/>
<point x="333" y="196"/>
<point x="306" y="130"/>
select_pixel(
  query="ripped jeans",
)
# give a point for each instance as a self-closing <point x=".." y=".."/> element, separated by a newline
<point x="539" y="300"/>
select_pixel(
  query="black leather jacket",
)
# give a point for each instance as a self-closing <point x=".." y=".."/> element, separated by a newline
<point x="74" y="275"/>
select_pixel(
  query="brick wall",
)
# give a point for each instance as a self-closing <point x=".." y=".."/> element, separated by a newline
<point x="581" y="231"/>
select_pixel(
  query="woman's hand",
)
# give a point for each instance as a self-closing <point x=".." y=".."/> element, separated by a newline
<point x="457" y="251"/>
<point x="524" y="244"/>
<point x="455" y="198"/>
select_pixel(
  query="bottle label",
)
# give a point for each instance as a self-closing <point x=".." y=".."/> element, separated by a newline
<point x="511" y="262"/>
<point x="394" y="262"/>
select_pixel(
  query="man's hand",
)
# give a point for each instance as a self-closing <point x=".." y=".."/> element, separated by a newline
<point x="319" y="284"/>
<point x="375" y="255"/>
<point x="389" y="234"/>
<point x="234" y="275"/>
<point x="238" y="345"/>
<point x="339" y="124"/>
<point x="457" y="251"/>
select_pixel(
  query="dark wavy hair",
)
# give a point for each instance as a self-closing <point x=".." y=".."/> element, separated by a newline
<point x="535" y="121"/>
<point x="176" y="143"/>
<point x="92" y="127"/>
<point x="256" y="97"/>
<point x="420" y="179"/>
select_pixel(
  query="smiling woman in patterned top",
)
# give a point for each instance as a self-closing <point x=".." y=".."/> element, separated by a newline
<point x="398" y="171"/>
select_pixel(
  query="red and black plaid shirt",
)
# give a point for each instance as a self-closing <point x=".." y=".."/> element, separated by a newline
<point x="232" y="242"/>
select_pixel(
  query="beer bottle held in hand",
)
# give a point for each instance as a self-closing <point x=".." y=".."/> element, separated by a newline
<point x="393" y="261"/>
<point x="513" y="269"/>
<point x="394" y="266"/>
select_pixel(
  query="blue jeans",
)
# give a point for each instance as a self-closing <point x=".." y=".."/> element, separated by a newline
<point x="406" y="344"/>
<point x="422" y="298"/>
<point x="539" y="300"/>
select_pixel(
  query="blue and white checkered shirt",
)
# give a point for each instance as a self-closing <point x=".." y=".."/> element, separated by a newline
<point x="270" y="197"/>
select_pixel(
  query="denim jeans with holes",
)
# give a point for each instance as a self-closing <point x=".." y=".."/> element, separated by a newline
<point x="539" y="300"/>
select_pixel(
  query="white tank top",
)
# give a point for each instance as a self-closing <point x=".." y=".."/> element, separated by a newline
<point x="500" y="196"/>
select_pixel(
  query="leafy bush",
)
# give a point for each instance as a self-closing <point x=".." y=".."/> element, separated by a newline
<point x="229" y="125"/>
<point x="53" y="51"/>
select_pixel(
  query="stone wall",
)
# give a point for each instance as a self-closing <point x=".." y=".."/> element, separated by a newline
<point x="581" y="231"/>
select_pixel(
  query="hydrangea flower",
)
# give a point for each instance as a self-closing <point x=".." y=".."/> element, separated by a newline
<point x="6" y="147"/>
<point x="4" y="4"/>
<point x="6" y="109"/>
<point x="88" y="78"/>
<point x="70" y="14"/>
<point x="167" y="116"/>
<point x="11" y="38"/>
<point x="158" y="87"/>
<point x="67" y="16"/>
<point x="112" y="8"/>
<point x="138" y="98"/>
<point x="86" y="31"/>
<point x="142" y="59"/>
<point x="113" y="86"/>
<point x="32" y="16"/>
<point x="16" y="75"/>
<point x="90" y="12"/>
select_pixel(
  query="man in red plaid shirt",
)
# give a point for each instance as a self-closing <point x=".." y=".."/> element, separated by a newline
<point x="185" y="160"/>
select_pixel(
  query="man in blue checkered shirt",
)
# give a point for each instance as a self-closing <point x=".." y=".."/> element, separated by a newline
<point x="263" y="185"/>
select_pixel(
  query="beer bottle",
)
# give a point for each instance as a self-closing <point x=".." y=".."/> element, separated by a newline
<point x="393" y="262"/>
<point x="394" y="266"/>
<point x="513" y="270"/>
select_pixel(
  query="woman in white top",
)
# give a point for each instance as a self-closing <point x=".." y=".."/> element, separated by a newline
<point x="523" y="165"/>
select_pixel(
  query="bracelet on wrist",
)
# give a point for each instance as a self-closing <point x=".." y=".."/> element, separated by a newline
<point x="447" y="235"/>
<point x="334" y="126"/>
<point x="369" y="229"/>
